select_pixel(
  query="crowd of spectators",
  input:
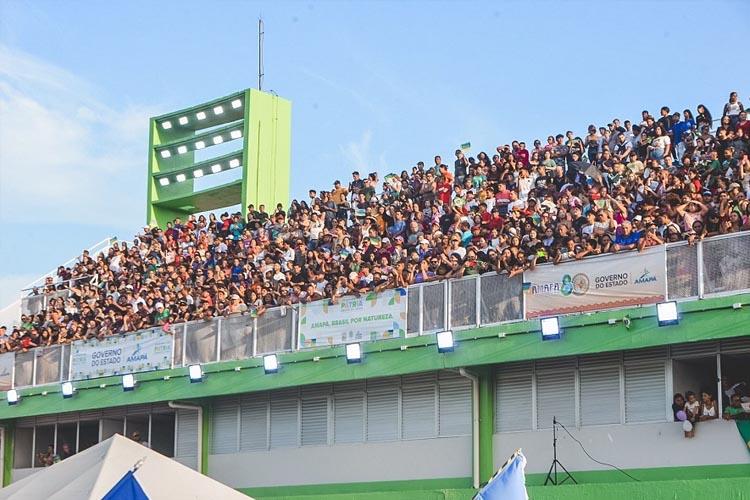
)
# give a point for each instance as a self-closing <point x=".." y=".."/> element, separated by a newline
<point x="690" y="409"/>
<point x="624" y="186"/>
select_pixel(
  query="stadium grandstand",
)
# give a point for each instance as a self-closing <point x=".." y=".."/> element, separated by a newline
<point x="442" y="315"/>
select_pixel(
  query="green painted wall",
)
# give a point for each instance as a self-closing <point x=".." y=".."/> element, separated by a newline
<point x="206" y="436"/>
<point x="486" y="422"/>
<point x="268" y="132"/>
<point x="708" y="319"/>
<point x="8" y="454"/>
<point x="692" y="483"/>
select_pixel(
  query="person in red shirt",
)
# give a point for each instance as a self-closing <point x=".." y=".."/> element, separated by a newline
<point x="744" y="124"/>
<point x="444" y="190"/>
<point x="496" y="220"/>
<point x="445" y="174"/>
<point x="484" y="214"/>
<point x="521" y="153"/>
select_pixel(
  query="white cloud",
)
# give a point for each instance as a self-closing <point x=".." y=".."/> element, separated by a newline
<point x="65" y="156"/>
<point x="357" y="153"/>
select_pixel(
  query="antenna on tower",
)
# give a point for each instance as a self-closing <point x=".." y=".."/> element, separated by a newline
<point x="260" y="53"/>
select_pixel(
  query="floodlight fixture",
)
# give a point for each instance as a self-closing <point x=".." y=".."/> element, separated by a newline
<point x="216" y="168"/>
<point x="195" y="372"/>
<point x="67" y="390"/>
<point x="180" y="177"/>
<point x="128" y="382"/>
<point x="164" y="181"/>
<point x="166" y="125"/>
<point x="165" y="153"/>
<point x="201" y="115"/>
<point x="445" y="341"/>
<point x="182" y="149"/>
<point x="235" y="134"/>
<point x="218" y="110"/>
<point x="236" y="103"/>
<point x="550" y="328"/>
<point x="666" y="313"/>
<point x="354" y="352"/>
<point x="234" y="163"/>
<point x="270" y="363"/>
<point x="198" y="173"/>
<point x="183" y="120"/>
<point x="200" y="145"/>
<point x="13" y="397"/>
<point x="218" y="139"/>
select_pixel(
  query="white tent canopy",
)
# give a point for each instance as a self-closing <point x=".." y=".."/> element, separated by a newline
<point x="93" y="472"/>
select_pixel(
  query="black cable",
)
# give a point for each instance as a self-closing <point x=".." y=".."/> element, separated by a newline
<point x="592" y="458"/>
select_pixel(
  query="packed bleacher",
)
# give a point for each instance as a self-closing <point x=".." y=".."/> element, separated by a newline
<point x="621" y="187"/>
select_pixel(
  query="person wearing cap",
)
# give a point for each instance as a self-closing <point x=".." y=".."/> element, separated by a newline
<point x="161" y="314"/>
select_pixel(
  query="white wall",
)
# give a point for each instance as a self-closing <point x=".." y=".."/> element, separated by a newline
<point x="627" y="446"/>
<point x="19" y="474"/>
<point x="447" y="457"/>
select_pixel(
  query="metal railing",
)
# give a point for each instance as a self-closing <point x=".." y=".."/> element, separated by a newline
<point x="713" y="267"/>
<point x="94" y="250"/>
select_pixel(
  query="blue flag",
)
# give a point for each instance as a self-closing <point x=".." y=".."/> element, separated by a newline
<point x="509" y="483"/>
<point x="126" y="488"/>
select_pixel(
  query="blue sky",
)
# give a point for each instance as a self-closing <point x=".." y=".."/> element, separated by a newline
<point x="374" y="85"/>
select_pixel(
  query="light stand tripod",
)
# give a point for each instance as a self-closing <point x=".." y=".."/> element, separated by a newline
<point x="552" y="474"/>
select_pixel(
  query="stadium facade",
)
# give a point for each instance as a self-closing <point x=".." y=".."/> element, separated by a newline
<point x="410" y="421"/>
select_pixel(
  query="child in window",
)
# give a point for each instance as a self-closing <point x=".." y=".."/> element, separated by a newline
<point x="692" y="410"/>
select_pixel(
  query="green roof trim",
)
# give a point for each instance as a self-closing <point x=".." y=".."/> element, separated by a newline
<point x="701" y="320"/>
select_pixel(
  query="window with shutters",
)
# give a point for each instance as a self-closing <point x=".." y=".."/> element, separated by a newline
<point x="284" y="421"/>
<point x="555" y="394"/>
<point x="225" y="425"/>
<point x="599" y="382"/>
<point x="349" y="413"/>
<point x="418" y="403"/>
<point x="513" y="398"/>
<point x="186" y="451"/>
<point x="382" y="410"/>
<point x="454" y="404"/>
<point x="314" y="421"/>
<point x="427" y="405"/>
<point x="254" y="423"/>
<point x="645" y="386"/>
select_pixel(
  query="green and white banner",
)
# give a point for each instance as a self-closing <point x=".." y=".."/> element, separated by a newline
<point x="373" y="316"/>
<point x="120" y="354"/>
<point x="621" y="280"/>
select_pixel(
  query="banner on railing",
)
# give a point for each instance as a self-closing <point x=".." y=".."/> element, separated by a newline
<point x="373" y="316"/>
<point x="142" y="351"/>
<point x="621" y="280"/>
<point x="6" y="370"/>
